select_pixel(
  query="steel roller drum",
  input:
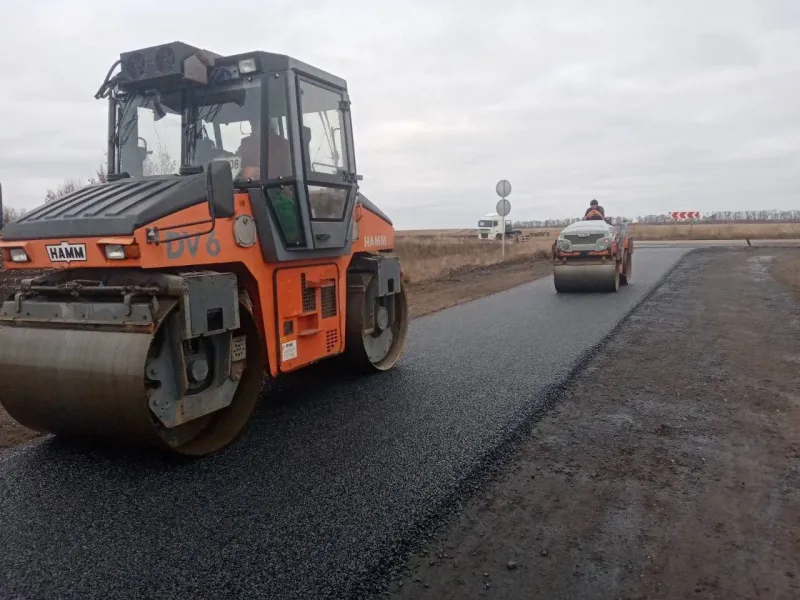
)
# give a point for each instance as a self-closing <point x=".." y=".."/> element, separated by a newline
<point x="74" y="381"/>
<point x="586" y="277"/>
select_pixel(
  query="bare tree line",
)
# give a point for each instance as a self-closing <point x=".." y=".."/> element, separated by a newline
<point x="718" y="217"/>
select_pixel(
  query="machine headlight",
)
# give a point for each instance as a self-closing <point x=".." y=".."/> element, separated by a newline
<point x="564" y="244"/>
<point x="115" y="252"/>
<point x="18" y="255"/>
<point x="603" y="243"/>
<point x="247" y="65"/>
<point x="120" y="251"/>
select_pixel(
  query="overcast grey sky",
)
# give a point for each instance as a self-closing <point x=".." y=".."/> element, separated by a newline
<point x="649" y="106"/>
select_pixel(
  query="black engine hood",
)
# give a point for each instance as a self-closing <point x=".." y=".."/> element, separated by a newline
<point x="109" y="209"/>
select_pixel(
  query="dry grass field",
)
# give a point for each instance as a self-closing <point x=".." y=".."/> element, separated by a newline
<point x="430" y="257"/>
<point x="672" y="231"/>
<point x="728" y="231"/>
<point x="431" y="254"/>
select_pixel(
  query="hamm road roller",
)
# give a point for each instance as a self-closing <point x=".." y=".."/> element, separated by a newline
<point x="592" y="255"/>
<point x="229" y="243"/>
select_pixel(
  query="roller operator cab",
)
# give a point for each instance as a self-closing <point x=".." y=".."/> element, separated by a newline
<point x="230" y="242"/>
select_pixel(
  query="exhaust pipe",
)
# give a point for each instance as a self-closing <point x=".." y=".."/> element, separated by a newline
<point x="2" y="221"/>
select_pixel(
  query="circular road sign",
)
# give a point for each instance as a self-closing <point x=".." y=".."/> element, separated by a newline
<point x="503" y="207"/>
<point x="503" y="188"/>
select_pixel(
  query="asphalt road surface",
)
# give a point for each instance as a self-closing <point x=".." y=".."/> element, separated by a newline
<point x="329" y="488"/>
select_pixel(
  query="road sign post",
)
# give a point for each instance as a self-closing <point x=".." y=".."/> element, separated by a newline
<point x="503" y="189"/>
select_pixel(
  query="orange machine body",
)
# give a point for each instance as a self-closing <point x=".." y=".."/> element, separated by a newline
<point x="298" y="305"/>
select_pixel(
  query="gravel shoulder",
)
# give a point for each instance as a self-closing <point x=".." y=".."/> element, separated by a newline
<point x="459" y="286"/>
<point x="671" y="467"/>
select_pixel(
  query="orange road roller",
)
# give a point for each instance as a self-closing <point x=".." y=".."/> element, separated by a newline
<point x="592" y="255"/>
<point x="230" y="243"/>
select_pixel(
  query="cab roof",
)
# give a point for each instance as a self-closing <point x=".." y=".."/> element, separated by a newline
<point x="177" y="63"/>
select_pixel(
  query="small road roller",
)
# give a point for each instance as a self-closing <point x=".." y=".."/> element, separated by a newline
<point x="230" y="242"/>
<point x="592" y="255"/>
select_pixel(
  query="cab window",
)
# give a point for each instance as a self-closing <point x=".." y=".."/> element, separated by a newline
<point x="324" y="151"/>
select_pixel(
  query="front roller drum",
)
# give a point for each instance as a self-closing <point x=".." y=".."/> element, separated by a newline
<point x="376" y="326"/>
<point x="572" y="278"/>
<point x="78" y="382"/>
<point x="75" y="381"/>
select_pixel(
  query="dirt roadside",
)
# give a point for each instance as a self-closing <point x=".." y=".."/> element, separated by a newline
<point x="460" y="285"/>
<point x="671" y="469"/>
<point x="786" y="269"/>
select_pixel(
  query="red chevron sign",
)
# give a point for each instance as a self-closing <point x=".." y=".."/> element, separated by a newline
<point x="686" y="214"/>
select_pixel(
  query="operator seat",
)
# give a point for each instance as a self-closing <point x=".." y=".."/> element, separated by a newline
<point x="205" y="151"/>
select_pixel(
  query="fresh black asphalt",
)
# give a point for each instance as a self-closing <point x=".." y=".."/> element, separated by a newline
<point x="332" y="482"/>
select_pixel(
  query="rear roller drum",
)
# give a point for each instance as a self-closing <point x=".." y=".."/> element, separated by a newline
<point x="376" y="326"/>
<point x="612" y="281"/>
<point x="627" y="271"/>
